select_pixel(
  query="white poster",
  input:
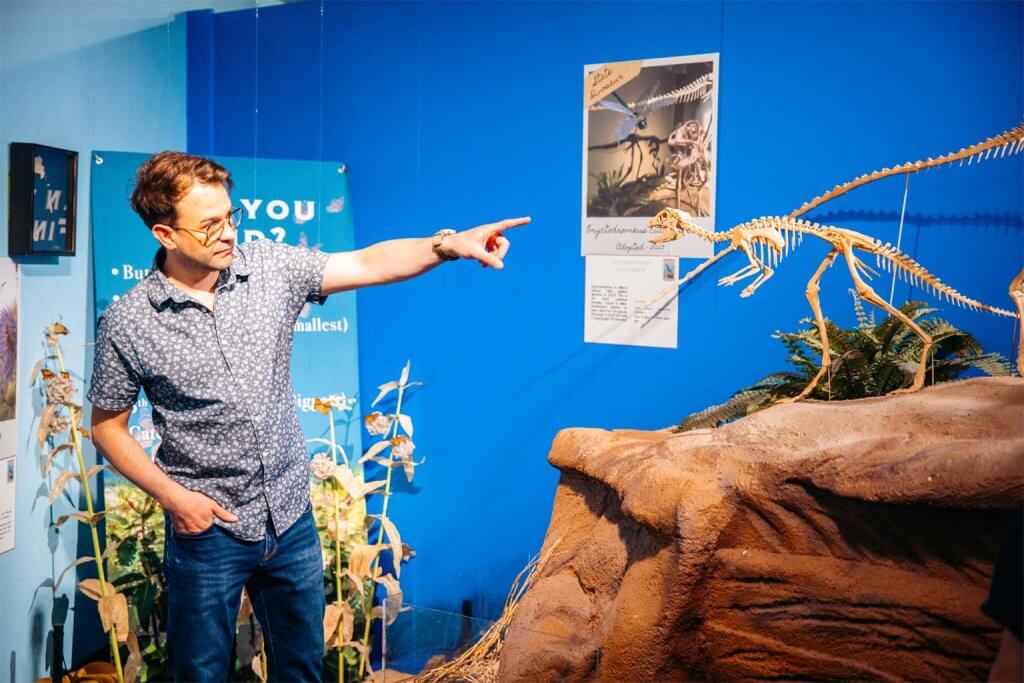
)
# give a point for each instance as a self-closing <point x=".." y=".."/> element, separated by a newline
<point x="619" y="292"/>
<point x="649" y="143"/>
<point x="8" y="356"/>
<point x="7" y="498"/>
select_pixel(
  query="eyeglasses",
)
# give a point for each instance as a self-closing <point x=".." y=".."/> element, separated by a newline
<point x="213" y="233"/>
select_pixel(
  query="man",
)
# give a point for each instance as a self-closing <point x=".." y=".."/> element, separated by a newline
<point x="208" y="336"/>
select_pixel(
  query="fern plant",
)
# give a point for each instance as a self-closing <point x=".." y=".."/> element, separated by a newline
<point x="618" y="196"/>
<point x="870" y="359"/>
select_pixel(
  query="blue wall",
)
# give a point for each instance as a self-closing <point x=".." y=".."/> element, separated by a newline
<point x="453" y="114"/>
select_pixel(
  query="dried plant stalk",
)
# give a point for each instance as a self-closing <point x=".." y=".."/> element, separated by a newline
<point x="482" y="654"/>
<point x="59" y="390"/>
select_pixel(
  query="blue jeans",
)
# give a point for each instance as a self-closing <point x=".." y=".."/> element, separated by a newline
<point x="205" y="573"/>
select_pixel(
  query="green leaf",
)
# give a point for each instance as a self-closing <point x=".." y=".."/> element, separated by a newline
<point x="127" y="552"/>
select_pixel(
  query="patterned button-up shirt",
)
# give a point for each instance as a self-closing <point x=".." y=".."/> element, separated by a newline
<point x="219" y="381"/>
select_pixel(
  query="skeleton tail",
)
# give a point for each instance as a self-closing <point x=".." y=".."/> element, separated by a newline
<point x="688" y="93"/>
<point x="889" y="258"/>
<point x="1005" y="144"/>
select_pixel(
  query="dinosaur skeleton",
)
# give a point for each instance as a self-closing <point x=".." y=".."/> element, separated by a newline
<point x="765" y="241"/>
<point x="688" y="143"/>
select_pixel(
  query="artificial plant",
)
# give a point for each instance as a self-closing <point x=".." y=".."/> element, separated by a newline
<point x="869" y="359"/>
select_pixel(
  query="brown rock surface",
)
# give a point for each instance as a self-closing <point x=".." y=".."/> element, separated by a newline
<point x="847" y="540"/>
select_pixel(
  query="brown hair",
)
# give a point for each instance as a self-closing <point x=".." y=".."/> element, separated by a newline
<point x="166" y="177"/>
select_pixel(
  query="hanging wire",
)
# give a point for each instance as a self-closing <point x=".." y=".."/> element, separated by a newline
<point x="256" y="105"/>
<point x="320" y="142"/>
<point x="899" y="235"/>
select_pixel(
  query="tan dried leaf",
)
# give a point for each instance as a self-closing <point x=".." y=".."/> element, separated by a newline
<point x="35" y="371"/>
<point x="332" y="615"/>
<point x="395" y="541"/>
<point x="409" y="467"/>
<point x="113" y="610"/>
<point x="361" y="558"/>
<point x="355" y="580"/>
<point x="79" y="561"/>
<point x="337" y="530"/>
<point x="344" y="475"/>
<point x="91" y="588"/>
<point x="385" y="389"/>
<point x="406" y="423"/>
<point x="346" y="626"/>
<point x="92" y="471"/>
<point x="111" y="548"/>
<point x="134" y="663"/>
<point x="48" y="465"/>
<point x="373" y="486"/>
<point x="244" y="609"/>
<point x="44" y="422"/>
<point x="353" y="484"/>
<point x="374" y="450"/>
<point x="82" y="517"/>
<point x="392" y="603"/>
<point x="405" y="374"/>
<point x="59" y="485"/>
<point x="257" y="667"/>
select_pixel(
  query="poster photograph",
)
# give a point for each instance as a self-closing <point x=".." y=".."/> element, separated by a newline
<point x="8" y="356"/>
<point x="649" y="143"/>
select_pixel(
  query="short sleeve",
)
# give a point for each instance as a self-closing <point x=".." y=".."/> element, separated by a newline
<point x="302" y="269"/>
<point x="115" y="381"/>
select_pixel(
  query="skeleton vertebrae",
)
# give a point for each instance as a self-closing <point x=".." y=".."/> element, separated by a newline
<point x="690" y="92"/>
<point x="1005" y="144"/>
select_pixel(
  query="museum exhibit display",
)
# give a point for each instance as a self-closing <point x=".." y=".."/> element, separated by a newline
<point x="482" y="342"/>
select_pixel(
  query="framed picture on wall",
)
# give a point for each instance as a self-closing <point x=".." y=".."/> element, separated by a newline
<point x="43" y="199"/>
<point x="650" y="136"/>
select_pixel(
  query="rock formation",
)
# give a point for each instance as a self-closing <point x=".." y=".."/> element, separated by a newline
<point x="846" y="540"/>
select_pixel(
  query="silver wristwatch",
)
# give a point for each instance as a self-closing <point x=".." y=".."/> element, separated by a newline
<point x="438" y="240"/>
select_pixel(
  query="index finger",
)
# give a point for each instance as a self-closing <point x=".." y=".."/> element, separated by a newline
<point x="510" y="223"/>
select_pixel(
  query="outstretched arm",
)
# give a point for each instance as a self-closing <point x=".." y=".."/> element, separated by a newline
<point x="397" y="260"/>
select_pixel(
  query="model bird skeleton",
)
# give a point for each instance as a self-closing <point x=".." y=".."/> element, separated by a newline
<point x="766" y="241"/>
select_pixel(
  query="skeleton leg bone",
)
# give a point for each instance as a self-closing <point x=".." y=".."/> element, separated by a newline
<point x="741" y="274"/>
<point x="754" y="267"/>
<point x="1017" y="294"/>
<point x="766" y="272"/>
<point x="812" y="297"/>
<point x="865" y="292"/>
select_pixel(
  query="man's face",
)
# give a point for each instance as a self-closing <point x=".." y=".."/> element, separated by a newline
<point x="204" y="211"/>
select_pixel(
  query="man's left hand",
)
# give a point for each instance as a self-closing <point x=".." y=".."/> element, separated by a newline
<point x="484" y="243"/>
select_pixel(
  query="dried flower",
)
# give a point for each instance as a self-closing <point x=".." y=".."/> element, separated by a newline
<point x="402" y="447"/>
<point x="59" y="424"/>
<point x="335" y="401"/>
<point x="59" y="388"/>
<point x="378" y="423"/>
<point x="322" y="466"/>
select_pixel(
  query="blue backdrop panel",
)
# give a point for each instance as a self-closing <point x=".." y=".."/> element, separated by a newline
<point x="460" y="113"/>
<point x="298" y="202"/>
